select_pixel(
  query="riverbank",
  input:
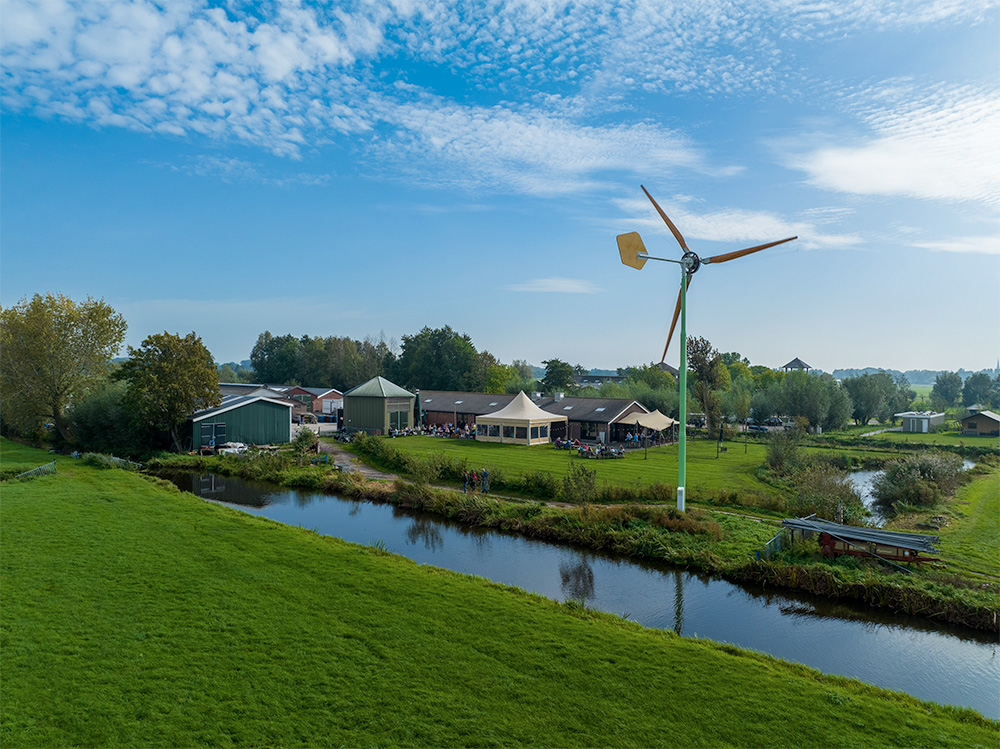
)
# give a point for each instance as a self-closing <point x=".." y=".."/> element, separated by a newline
<point x="721" y="543"/>
<point x="136" y="615"/>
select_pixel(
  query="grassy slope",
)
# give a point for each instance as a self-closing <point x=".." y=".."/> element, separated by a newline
<point x="134" y="615"/>
<point x="971" y="543"/>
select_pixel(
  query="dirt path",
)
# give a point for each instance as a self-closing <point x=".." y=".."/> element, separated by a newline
<point x="340" y="456"/>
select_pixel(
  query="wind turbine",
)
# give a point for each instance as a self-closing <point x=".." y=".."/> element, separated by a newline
<point x="633" y="254"/>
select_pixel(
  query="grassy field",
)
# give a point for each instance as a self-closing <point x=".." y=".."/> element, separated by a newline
<point x="944" y="439"/>
<point x="971" y="540"/>
<point x="707" y="475"/>
<point x="134" y="615"/>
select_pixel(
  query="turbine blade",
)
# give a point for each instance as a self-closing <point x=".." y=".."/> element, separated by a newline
<point x="673" y="323"/>
<point x="670" y="224"/>
<point x="740" y="253"/>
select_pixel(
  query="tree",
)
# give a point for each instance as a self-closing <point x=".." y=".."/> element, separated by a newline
<point x="978" y="388"/>
<point x="947" y="387"/>
<point x="54" y="350"/>
<point x="275" y="359"/>
<point x="170" y="378"/>
<point x="710" y="376"/>
<point x="440" y="359"/>
<point x="558" y="375"/>
<point x="871" y="395"/>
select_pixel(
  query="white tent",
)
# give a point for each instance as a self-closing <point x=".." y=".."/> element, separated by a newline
<point x="520" y="422"/>
<point x="655" y="421"/>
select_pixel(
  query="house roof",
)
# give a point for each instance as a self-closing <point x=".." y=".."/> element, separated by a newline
<point x="379" y="387"/>
<point x="320" y="392"/>
<point x="522" y="409"/>
<point x="466" y="403"/>
<point x="231" y="402"/>
<point x="865" y="535"/>
<point x="988" y="414"/>
<point x="605" y="410"/>
<point x="796" y="363"/>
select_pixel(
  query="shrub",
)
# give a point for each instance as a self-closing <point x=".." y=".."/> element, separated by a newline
<point x="920" y="480"/>
<point x="579" y="484"/>
<point x="821" y="489"/>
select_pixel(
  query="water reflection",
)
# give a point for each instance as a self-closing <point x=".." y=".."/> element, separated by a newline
<point x="424" y="530"/>
<point x="932" y="661"/>
<point x="577" y="579"/>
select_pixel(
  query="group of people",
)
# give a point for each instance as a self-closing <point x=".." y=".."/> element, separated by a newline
<point x="480" y="478"/>
<point x="450" y="430"/>
<point x="601" y="451"/>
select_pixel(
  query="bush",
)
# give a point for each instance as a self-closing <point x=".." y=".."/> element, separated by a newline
<point x="920" y="480"/>
<point x="579" y="484"/>
<point x="784" y="454"/>
<point x="821" y="489"/>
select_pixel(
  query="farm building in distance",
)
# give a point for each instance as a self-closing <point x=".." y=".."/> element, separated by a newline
<point x="920" y="421"/>
<point x="596" y="419"/>
<point x="251" y="419"/>
<point x="982" y="423"/>
<point x="377" y="406"/>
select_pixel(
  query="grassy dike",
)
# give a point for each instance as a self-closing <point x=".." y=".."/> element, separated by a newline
<point x="135" y="615"/>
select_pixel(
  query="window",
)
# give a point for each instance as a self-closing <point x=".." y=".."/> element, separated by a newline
<point x="534" y="433"/>
<point x="520" y="433"/>
<point x="543" y="431"/>
<point x="494" y="430"/>
<point x="567" y="408"/>
<point x="598" y="410"/>
<point x="508" y="431"/>
<point x="481" y="430"/>
<point x="493" y="403"/>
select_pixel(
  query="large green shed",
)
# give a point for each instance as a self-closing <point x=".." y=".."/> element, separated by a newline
<point x="377" y="407"/>
<point x="251" y="419"/>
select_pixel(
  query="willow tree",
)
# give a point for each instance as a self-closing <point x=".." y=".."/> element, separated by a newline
<point x="54" y="350"/>
<point x="169" y="378"/>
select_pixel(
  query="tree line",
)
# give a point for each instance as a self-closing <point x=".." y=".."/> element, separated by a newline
<point x="57" y="368"/>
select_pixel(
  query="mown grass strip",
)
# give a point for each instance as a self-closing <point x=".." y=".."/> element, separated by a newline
<point x="137" y="616"/>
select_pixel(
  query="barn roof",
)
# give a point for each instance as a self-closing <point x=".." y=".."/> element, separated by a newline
<point x="231" y="402"/>
<point x="379" y="387"/>
<point x="987" y="414"/>
<point x="465" y="403"/>
<point x="854" y="534"/>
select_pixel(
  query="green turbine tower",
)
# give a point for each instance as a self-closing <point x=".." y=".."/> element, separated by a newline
<point x="633" y="254"/>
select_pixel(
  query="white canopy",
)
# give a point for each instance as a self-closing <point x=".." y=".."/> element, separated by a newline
<point x="655" y="421"/>
<point x="519" y="421"/>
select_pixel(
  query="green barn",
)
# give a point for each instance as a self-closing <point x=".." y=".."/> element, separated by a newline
<point x="250" y="419"/>
<point x="378" y="406"/>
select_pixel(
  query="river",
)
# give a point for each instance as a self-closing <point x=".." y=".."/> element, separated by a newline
<point x="935" y="662"/>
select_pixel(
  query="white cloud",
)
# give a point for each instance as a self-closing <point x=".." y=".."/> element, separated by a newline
<point x="938" y="144"/>
<point x="557" y="286"/>
<point x="987" y="245"/>
<point x="735" y="225"/>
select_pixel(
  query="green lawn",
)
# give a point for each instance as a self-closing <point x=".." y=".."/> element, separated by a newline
<point x="972" y="540"/>
<point x="707" y="474"/>
<point x="134" y="615"/>
<point x="900" y="439"/>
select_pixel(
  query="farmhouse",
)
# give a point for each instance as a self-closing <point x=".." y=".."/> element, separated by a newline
<point x="920" y="421"/>
<point x="320" y="401"/>
<point x="596" y="419"/>
<point x="983" y="423"/>
<point x="251" y="419"/>
<point x="377" y="406"/>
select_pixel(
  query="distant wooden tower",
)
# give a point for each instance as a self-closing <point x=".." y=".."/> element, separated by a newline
<point x="796" y="363"/>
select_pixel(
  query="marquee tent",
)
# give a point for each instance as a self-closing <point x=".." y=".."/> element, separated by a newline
<point x="655" y="421"/>
<point x="520" y="422"/>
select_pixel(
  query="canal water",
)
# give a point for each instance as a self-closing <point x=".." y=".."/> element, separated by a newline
<point x="863" y="482"/>
<point x="946" y="665"/>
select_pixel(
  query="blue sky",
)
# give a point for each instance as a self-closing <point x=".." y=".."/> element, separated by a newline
<point x="368" y="168"/>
